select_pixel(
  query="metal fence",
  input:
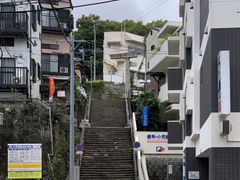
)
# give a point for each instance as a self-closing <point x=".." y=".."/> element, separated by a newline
<point x="13" y="77"/>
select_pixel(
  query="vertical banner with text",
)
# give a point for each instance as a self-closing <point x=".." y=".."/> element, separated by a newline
<point x="145" y="116"/>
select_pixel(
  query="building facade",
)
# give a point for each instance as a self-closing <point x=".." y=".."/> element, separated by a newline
<point x="209" y="55"/>
<point x="163" y="65"/>
<point x="55" y="48"/>
<point x="20" y="49"/>
<point x="123" y="42"/>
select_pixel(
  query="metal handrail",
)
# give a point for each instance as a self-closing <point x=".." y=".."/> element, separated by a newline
<point x="84" y="122"/>
<point x="141" y="161"/>
<point x="129" y="123"/>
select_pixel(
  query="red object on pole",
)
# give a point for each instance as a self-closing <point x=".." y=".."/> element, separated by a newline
<point x="51" y="89"/>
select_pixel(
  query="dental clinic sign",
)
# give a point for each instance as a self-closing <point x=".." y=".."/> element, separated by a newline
<point x="224" y="83"/>
<point x="161" y="137"/>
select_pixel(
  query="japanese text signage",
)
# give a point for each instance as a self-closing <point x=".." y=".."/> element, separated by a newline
<point x="161" y="137"/>
<point x="145" y="116"/>
<point x="24" y="161"/>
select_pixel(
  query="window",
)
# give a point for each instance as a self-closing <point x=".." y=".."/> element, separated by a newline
<point x="38" y="15"/>
<point x="55" y="2"/>
<point x="39" y="71"/>
<point x="8" y="62"/>
<point x="52" y="19"/>
<point x="34" y="18"/>
<point x="50" y="46"/>
<point x="33" y="69"/>
<point x="45" y="18"/>
<point x="7" y="7"/>
<point x="50" y="63"/>
<point x="6" y="41"/>
<point x="152" y="47"/>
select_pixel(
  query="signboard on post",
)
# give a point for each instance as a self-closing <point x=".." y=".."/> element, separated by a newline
<point x="145" y="116"/>
<point x="24" y="161"/>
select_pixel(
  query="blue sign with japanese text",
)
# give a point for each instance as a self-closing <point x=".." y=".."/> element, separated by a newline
<point x="145" y="116"/>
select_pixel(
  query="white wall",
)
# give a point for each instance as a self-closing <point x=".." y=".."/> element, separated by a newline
<point x="149" y="145"/>
<point x="231" y="16"/>
<point x="210" y="133"/>
<point x="21" y="52"/>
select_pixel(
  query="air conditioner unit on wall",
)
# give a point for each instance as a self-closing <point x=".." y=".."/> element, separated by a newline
<point x="63" y="69"/>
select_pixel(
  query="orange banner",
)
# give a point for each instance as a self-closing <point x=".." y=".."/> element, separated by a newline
<point x="51" y="89"/>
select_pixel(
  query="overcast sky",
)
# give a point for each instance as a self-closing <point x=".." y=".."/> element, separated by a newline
<point x="139" y="10"/>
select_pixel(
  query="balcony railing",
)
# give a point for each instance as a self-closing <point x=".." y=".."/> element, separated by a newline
<point x="50" y="23"/>
<point x="13" y="23"/>
<point x="13" y="77"/>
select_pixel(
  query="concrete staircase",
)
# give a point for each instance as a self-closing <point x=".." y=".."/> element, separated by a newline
<point x="107" y="143"/>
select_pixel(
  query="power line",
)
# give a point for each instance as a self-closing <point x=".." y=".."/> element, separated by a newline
<point x="59" y="25"/>
<point x="61" y="8"/>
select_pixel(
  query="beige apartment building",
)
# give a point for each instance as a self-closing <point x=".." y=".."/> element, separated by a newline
<point x="55" y="49"/>
<point x="123" y="42"/>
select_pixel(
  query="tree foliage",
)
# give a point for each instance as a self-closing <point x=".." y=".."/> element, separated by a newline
<point x="149" y="99"/>
<point x="159" y="113"/>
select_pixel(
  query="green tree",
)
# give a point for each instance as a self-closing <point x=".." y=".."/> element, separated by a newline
<point x="149" y="99"/>
<point x="159" y="113"/>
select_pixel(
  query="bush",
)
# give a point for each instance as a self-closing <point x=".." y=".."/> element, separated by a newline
<point x="95" y="87"/>
<point x="149" y="99"/>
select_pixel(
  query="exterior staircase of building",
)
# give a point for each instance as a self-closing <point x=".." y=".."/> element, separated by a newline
<point x="108" y="152"/>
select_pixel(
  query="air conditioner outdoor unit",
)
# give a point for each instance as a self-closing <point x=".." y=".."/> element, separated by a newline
<point x="63" y="69"/>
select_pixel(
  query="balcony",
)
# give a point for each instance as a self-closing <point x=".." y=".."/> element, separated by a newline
<point x="174" y="135"/>
<point x="168" y="56"/>
<point x="13" y="24"/>
<point x="13" y="77"/>
<point x="50" y="23"/>
<point x="163" y="95"/>
<point x="175" y="83"/>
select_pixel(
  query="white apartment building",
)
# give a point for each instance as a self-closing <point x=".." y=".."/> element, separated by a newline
<point x="163" y="64"/>
<point x="20" y="53"/>
<point x="122" y="42"/>
<point x="210" y="105"/>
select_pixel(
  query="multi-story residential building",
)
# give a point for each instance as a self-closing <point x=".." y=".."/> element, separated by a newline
<point x="123" y="42"/>
<point x="55" y="49"/>
<point x="20" y="49"/>
<point x="163" y="64"/>
<point x="210" y="105"/>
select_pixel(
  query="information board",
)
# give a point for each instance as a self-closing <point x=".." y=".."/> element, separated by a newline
<point x="24" y="161"/>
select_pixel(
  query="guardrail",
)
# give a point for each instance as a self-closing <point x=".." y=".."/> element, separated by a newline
<point x="83" y="124"/>
<point x="16" y="22"/>
<point x="129" y="124"/>
<point x="141" y="160"/>
<point x="13" y="77"/>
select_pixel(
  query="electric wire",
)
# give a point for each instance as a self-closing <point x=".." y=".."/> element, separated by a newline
<point x="67" y="7"/>
<point x="59" y="25"/>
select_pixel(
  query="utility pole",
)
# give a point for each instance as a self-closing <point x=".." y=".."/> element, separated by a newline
<point x="71" y="123"/>
<point x="146" y="68"/>
<point x="94" y="63"/>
